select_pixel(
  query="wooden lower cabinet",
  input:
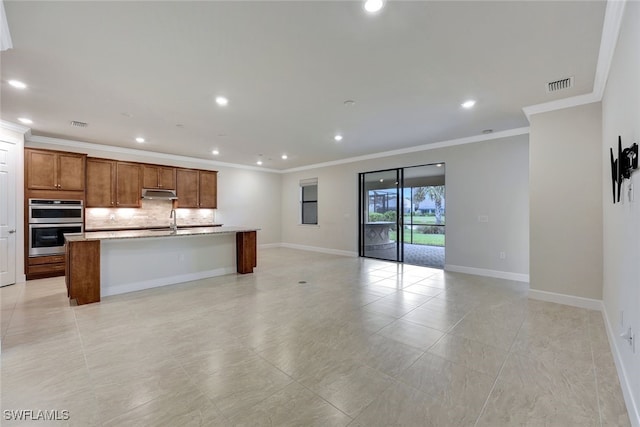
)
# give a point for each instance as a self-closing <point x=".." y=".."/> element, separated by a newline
<point x="83" y="271"/>
<point x="45" y="266"/>
<point x="246" y="253"/>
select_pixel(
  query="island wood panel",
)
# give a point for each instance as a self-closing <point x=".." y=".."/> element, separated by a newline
<point x="82" y="273"/>
<point x="246" y="251"/>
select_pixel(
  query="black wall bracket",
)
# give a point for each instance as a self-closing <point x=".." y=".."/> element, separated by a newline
<point x="622" y="167"/>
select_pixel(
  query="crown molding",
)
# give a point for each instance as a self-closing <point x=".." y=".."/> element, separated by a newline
<point x="613" y="15"/>
<point x="15" y="128"/>
<point x="5" y="35"/>
<point x="610" y="32"/>
<point x="424" y="147"/>
<point x="559" y="104"/>
<point x="135" y="152"/>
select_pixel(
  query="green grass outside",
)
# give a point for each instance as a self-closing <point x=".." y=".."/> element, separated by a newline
<point x="420" y="220"/>
<point x="420" y="239"/>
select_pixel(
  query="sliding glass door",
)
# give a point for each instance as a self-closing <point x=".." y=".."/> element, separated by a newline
<point x="402" y="215"/>
<point x="381" y="207"/>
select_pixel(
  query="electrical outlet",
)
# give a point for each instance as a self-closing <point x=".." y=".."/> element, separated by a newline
<point x="629" y="337"/>
<point x="503" y="255"/>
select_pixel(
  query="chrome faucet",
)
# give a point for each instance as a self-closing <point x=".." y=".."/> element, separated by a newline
<point x="174" y="225"/>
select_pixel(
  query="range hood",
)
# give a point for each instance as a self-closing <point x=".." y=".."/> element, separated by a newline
<point x="155" y="194"/>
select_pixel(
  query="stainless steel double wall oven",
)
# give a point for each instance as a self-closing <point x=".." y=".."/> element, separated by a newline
<point x="49" y="221"/>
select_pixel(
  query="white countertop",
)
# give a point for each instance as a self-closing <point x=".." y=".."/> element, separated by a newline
<point x="135" y="234"/>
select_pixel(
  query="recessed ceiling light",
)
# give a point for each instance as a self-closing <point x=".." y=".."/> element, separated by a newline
<point x="215" y="152"/>
<point x="25" y="120"/>
<point x="373" y="6"/>
<point x="468" y="104"/>
<point x="338" y="138"/>
<point x="140" y="140"/>
<point x="222" y="101"/>
<point x="18" y="84"/>
<point x="349" y="103"/>
<point x="285" y="157"/>
<point x="259" y="163"/>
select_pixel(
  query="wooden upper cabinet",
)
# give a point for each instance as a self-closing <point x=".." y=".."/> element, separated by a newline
<point x="208" y="189"/>
<point x="161" y="177"/>
<point x="196" y="189"/>
<point x="101" y="183"/>
<point x="53" y="170"/>
<point x="187" y="188"/>
<point x="128" y="184"/>
<point x="113" y="184"/>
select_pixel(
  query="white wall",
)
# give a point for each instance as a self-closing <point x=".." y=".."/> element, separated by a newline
<point x="484" y="178"/>
<point x="246" y="197"/>
<point x="565" y="170"/>
<point x="621" y="226"/>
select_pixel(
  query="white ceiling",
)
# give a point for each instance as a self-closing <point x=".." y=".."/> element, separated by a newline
<point x="133" y="69"/>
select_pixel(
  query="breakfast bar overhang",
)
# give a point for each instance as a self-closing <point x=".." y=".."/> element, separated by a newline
<point x="100" y="264"/>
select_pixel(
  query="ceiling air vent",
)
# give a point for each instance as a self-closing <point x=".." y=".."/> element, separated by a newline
<point x="78" y="124"/>
<point x="560" y="85"/>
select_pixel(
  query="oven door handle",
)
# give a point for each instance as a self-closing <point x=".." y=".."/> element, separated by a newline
<point x="56" y="225"/>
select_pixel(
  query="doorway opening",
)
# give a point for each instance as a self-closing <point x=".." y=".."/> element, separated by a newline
<point x="403" y="215"/>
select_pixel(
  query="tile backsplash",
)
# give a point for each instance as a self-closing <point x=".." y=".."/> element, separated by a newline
<point x="153" y="213"/>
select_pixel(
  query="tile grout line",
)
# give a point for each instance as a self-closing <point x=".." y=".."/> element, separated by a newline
<point x="13" y="309"/>
<point x="593" y="367"/>
<point x="86" y="363"/>
<point x="495" y="381"/>
<point x="299" y="383"/>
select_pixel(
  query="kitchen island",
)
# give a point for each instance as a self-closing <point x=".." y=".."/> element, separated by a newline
<point x="108" y="263"/>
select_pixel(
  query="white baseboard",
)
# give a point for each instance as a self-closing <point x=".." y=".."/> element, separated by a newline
<point x="488" y="273"/>
<point x="164" y="281"/>
<point x="588" y="303"/>
<point x="633" y="408"/>
<point x="318" y="249"/>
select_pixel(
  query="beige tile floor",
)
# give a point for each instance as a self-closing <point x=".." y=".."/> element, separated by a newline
<point x="361" y="343"/>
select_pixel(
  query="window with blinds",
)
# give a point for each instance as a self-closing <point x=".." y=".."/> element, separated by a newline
<point x="309" y="201"/>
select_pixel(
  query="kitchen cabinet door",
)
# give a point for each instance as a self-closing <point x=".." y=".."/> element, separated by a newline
<point x="159" y="177"/>
<point x="42" y="170"/>
<point x="101" y="178"/>
<point x="167" y="178"/>
<point x="187" y="188"/>
<point x="71" y="171"/>
<point x="208" y="189"/>
<point x="149" y="176"/>
<point x="52" y="170"/>
<point x="128" y="184"/>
